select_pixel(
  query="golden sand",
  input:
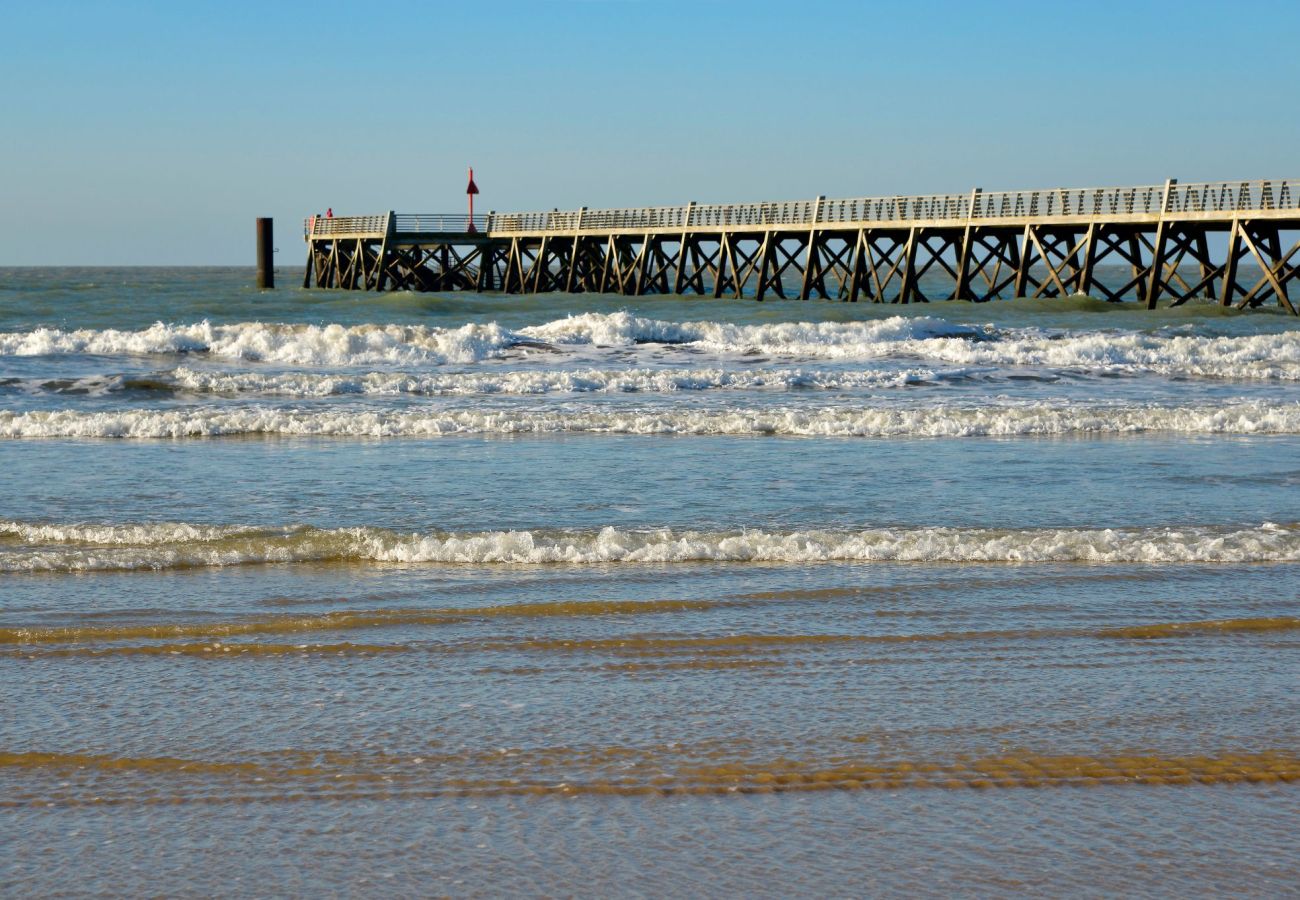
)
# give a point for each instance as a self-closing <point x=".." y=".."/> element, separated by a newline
<point x="650" y="771"/>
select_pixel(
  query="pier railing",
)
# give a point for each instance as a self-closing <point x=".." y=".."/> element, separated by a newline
<point x="408" y="223"/>
<point x="1145" y="200"/>
<point x="317" y="226"/>
<point x="1229" y="241"/>
<point x="1221" y="198"/>
<point x="405" y="223"/>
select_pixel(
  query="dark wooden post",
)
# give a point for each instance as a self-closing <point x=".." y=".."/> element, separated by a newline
<point x="1156" y="282"/>
<point x="265" y="254"/>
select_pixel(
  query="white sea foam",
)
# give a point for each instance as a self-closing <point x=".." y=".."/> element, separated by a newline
<point x="549" y="381"/>
<point x="30" y="547"/>
<point x="1254" y="417"/>
<point x="818" y="339"/>
<point x="142" y="534"/>
<point x="338" y="345"/>
<point x="1274" y="356"/>
<point x="1262" y="356"/>
<point x="395" y="344"/>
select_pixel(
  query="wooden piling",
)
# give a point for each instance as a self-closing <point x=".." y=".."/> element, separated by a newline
<point x="265" y="254"/>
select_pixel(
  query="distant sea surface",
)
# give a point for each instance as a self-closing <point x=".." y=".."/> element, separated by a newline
<point x="306" y="592"/>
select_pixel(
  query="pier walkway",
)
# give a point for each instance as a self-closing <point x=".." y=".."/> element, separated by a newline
<point x="1232" y="243"/>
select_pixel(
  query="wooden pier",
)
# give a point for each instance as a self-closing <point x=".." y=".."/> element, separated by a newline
<point x="1231" y="243"/>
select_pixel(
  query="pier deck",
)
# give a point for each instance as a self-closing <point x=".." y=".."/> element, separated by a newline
<point x="1233" y="243"/>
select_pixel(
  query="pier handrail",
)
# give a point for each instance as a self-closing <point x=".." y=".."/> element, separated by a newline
<point x="335" y="225"/>
<point x="407" y="223"/>
<point x="1223" y="196"/>
<point x="1171" y="198"/>
<point x="1141" y="200"/>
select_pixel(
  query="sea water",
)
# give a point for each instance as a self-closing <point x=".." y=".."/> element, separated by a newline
<point x="307" y="591"/>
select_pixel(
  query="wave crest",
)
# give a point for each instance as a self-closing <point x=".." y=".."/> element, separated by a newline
<point x="1036" y="419"/>
<point x="280" y="343"/>
<point x="551" y="381"/>
<point x="36" y="547"/>
<point x="1262" y="356"/>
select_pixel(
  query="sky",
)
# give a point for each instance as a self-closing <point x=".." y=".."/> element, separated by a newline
<point x="152" y="133"/>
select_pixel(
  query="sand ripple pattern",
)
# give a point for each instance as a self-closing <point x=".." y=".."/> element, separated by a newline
<point x="98" y="779"/>
<point x="744" y="650"/>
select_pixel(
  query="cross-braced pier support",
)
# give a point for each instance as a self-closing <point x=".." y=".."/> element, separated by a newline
<point x="1237" y="245"/>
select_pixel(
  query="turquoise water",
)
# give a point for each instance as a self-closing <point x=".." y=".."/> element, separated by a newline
<point x="306" y="591"/>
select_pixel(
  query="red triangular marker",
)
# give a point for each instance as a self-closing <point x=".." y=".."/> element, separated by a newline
<point x="473" y="188"/>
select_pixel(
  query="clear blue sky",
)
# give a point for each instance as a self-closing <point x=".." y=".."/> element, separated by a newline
<point x="153" y="133"/>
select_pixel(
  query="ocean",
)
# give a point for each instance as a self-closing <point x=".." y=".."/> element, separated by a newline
<point x="308" y="592"/>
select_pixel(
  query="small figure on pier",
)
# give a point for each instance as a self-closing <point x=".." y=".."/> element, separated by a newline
<point x="329" y="213"/>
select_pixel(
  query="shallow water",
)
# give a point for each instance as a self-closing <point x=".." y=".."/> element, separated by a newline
<point x="306" y="591"/>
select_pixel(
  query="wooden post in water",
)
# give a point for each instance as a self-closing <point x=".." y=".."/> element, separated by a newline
<point x="265" y="253"/>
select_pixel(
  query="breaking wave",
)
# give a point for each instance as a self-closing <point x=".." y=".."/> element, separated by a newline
<point x="1264" y="356"/>
<point x="829" y="340"/>
<point x="267" y="342"/>
<point x="36" y="547"/>
<point x="1030" y="419"/>
<point x="185" y="379"/>
<point x="576" y="381"/>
